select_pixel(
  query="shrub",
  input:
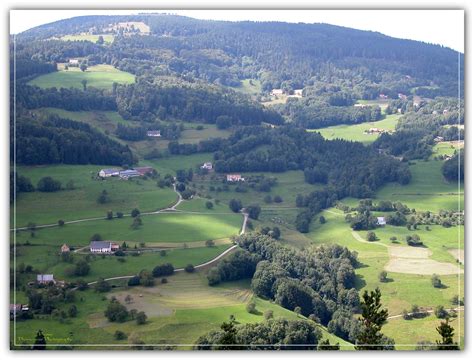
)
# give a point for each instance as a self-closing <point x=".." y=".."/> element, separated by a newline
<point x="141" y="318"/>
<point x="267" y="199"/>
<point x="189" y="268"/>
<point x="277" y="199"/>
<point x="135" y="212"/>
<point x="436" y="281"/>
<point x="119" y="214"/>
<point x="163" y="253"/>
<point x="440" y="312"/>
<point x="322" y="220"/>
<point x="61" y="222"/>
<point x="48" y="184"/>
<point x="268" y="314"/>
<point x="251" y="307"/>
<point x="314" y="318"/>
<point x="209" y="205"/>
<point x="371" y="236"/>
<point x="134" y="281"/>
<point x="209" y="243"/>
<point x="383" y="276"/>
<point x="163" y="270"/>
<point x="116" y="312"/>
<point x="235" y="205"/>
<point x="414" y="240"/>
<point x="213" y="277"/>
<point x="120" y="335"/>
<point x="254" y="211"/>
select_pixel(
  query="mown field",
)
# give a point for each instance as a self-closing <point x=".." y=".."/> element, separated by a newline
<point x="427" y="191"/>
<point x="80" y="203"/>
<point x="158" y="228"/>
<point x="98" y="76"/>
<point x="108" y="38"/>
<point x="356" y="132"/>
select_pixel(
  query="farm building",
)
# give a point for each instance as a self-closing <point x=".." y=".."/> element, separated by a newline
<point x="109" y="172"/>
<point x="16" y="309"/>
<point x="277" y="92"/>
<point x="234" y="177"/>
<point x="438" y="138"/>
<point x="65" y="248"/>
<point x="298" y="92"/>
<point x="74" y="61"/>
<point x="143" y="170"/>
<point x="153" y="133"/>
<point x="207" y="166"/>
<point x="103" y="247"/>
<point x="445" y="111"/>
<point x="383" y="96"/>
<point x="374" y="131"/>
<point x="381" y="221"/>
<point x="45" y="278"/>
<point x="402" y="96"/>
<point x="127" y="174"/>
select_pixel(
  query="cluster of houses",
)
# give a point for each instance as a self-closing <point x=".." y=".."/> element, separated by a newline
<point x="153" y="133"/>
<point x="445" y="111"/>
<point x="375" y="131"/>
<point x="125" y="174"/>
<point x="206" y="166"/>
<point x="280" y="92"/>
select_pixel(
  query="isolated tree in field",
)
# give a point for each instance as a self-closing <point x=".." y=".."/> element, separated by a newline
<point x="83" y="68"/>
<point x="268" y="314"/>
<point x="84" y="82"/>
<point x="136" y="223"/>
<point x="135" y="212"/>
<point x="372" y="320"/>
<point x="322" y="220"/>
<point x="116" y="312"/>
<point x="141" y="318"/>
<point x="436" y="281"/>
<point x="251" y="307"/>
<point x="103" y="197"/>
<point x="383" y="276"/>
<point x="96" y="237"/>
<point x="119" y="215"/>
<point x="189" y="268"/>
<point x="100" y="40"/>
<point x="440" y="312"/>
<point x="277" y="199"/>
<point x="253" y="211"/>
<point x="209" y="205"/>
<point x="163" y="253"/>
<point x="40" y="341"/>
<point x="102" y="286"/>
<point x="371" y="236"/>
<point x="235" y="205"/>
<point x="446" y="332"/>
<point x="110" y="215"/>
<point x="48" y="184"/>
<point x="82" y="268"/>
<point x="60" y="222"/>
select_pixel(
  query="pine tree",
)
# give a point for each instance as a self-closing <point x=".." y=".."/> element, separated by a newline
<point x="446" y="332"/>
<point x="40" y="341"/>
<point x="373" y="317"/>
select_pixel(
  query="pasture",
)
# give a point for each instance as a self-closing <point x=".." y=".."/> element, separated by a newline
<point x="249" y="87"/>
<point x="98" y="76"/>
<point x="427" y="190"/>
<point x="81" y="202"/>
<point x="356" y="132"/>
<point x="108" y="38"/>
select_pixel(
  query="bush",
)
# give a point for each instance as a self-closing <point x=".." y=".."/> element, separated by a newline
<point x="189" y="268"/>
<point x="209" y="243"/>
<point x="213" y="277"/>
<point x="267" y="199"/>
<point x="406" y="315"/>
<point x="119" y="214"/>
<point x="134" y="281"/>
<point x="162" y="253"/>
<point x="253" y="211"/>
<point x="440" y="312"/>
<point x="383" y="276"/>
<point x="61" y="222"/>
<point x="96" y="237"/>
<point x="116" y="312"/>
<point x="322" y="220"/>
<point x="163" y="270"/>
<point x="268" y="314"/>
<point x="414" y="240"/>
<point x="393" y="239"/>
<point x="209" y="205"/>
<point x="141" y="318"/>
<point x="102" y="286"/>
<point x="436" y="281"/>
<point x="135" y="212"/>
<point x="48" y="184"/>
<point x="277" y="199"/>
<point x="82" y="268"/>
<point x="314" y="318"/>
<point x="251" y="307"/>
<point x="371" y="236"/>
<point x="235" y="205"/>
<point x="120" y="335"/>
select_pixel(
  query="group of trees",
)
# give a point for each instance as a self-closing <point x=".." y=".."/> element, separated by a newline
<point x="237" y="266"/>
<point x="317" y="281"/>
<point x="54" y="140"/>
<point x="117" y="312"/>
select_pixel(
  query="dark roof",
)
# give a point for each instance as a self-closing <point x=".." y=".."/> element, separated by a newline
<point x="100" y="244"/>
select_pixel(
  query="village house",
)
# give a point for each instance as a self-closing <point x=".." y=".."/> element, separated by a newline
<point x="374" y="131"/>
<point x="109" y="172"/>
<point x="65" y="249"/>
<point x="402" y="96"/>
<point x="103" y="247"/>
<point x="207" y="166"/>
<point x="16" y="309"/>
<point x="45" y="279"/>
<point x="298" y="92"/>
<point x="153" y="133"/>
<point x="438" y="138"/>
<point x="73" y="61"/>
<point x="383" y="96"/>
<point x="445" y="111"/>
<point x="127" y="174"/>
<point x="276" y="92"/>
<point x="144" y="170"/>
<point x="381" y="221"/>
<point x="234" y="177"/>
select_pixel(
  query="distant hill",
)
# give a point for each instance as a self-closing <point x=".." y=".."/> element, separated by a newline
<point x="278" y="54"/>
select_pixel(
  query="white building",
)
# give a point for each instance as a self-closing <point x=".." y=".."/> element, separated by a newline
<point x="234" y="177"/>
<point x="109" y="172"/>
<point x="207" y="166"/>
<point x="103" y="246"/>
<point x="153" y="133"/>
<point x="381" y="221"/>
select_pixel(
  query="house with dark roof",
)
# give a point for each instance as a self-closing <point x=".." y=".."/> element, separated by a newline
<point x="127" y="174"/>
<point x="103" y="247"/>
<point x="45" y="279"/>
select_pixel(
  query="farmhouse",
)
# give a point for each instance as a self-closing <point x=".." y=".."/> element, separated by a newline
<point x="207" y="166"/>
<point x="74" y="61"/>
<point x="45" y="279"/>
<point x="438" y="138"/>
<point x="374" y="131"/>
<point x="143" y="170"/>
<point x="65" y="249"/>
<point x="109" y="172"/>
<point x="153" y="133"/>
<point x="16" y="309"/>
<point x="127" y="174"/>
<point x="277" y="92"/>
<point x="445" y="111"/>
<point x="235" y="177"/>
<point x="381" y="221"/>
<point x="103" y="247"/>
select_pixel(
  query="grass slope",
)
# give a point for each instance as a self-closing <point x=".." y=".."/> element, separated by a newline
<point x="108" y="38"/>
<point x="98" y="76"/>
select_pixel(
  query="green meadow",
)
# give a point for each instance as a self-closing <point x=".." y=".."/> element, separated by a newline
<point x="427" y="190"/>
<point x="98" y="76"/>
<point x="356" y="132"/>
<point x="108" y="38"/>
<point x="81" y="202"/>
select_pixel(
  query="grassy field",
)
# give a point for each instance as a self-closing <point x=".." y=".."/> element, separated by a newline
<point x="447" y="148"/>
<point x="176" y="228"/>
<point x="427" y="190"/>
<point x="179" y="312"/>
<point x="108" y="38"/>
<point x="249" y="87"/>
<point x="383" y="103"/>
<point x="80" y="203"/>
<point x="356" y="132"/>
<point x="169" y="164"/>
<point x="98" y="76"/>
<point x="410" y="332"/>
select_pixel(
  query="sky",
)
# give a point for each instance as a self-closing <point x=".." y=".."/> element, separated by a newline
<point x="442" y="27"/>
